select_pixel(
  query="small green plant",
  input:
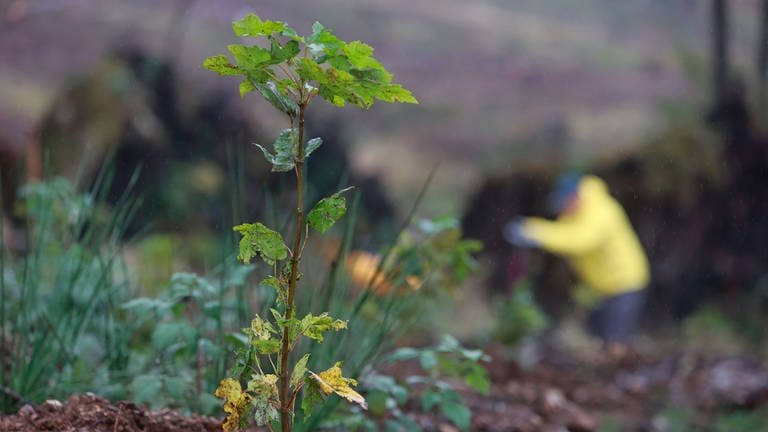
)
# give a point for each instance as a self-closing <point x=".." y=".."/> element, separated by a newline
<point x="290" y="71"/>
<point x="687" y="420"/>
<point x="709" y="329"/>
<point x="178" y="354"/>
<point x="518" y="316"/>
<point x="434" y="389"/>
<point x="58" y="317"/>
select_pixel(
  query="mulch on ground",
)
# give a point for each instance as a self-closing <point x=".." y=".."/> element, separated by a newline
<point x="89" y="413"/>
<point x="555" y="395"/>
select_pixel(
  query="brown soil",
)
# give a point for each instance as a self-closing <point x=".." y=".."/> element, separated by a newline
<point x="561" y="394"/>
<point x="88" y="413"/>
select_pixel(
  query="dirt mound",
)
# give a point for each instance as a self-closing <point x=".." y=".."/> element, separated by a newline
<point x="558" y="394"/>
<point x="91" y="413"/>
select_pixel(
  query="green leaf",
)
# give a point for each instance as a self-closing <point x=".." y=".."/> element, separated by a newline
<point x="327" y="211"/>
<point x="221" y="65"/>
<point x="387" y="384"/>
<point x="253" y="26"/>
<point x="249" y="25"/>
<point x="285" y="52"/>
<point x="428" y="360"/>
<point x="403" y="424"/>
<point x="313" y="396"/>
<point x="311" y="146"/>
<point x="293" y="325"/>
<point x="145" y="388"/>
<point x="168" y="333"/>
<point x="236" y="340"/>
<point x="267" y="347"/>
<point x="282" y="159"/>
<point x="377" y="402"/>
<point x="477" y="379"/>
<point x="277" y="316"/>
<point x="279" y="100"/>
<point x="313" y="327"/>
<point x="405" y="353"/>
<point x="208" y="403"/>
<point x="299" y="371"/>
<point x="246" y="87"/>
<point x="250" y="57"/>
<point x="145" y="307"/>
<point x="262" y="241"/>
<point x="429" y="399"/>
<point x="323" y="40"/>
<point x="185" y="285"/>
<point x="395" y="93"/>
<point x="309" y="70"/>
<point x="175" y="386"/>
<point x="438" y="225"/>
<point x="457" y="413"/>
<point x="360" y="56"/>
<point x="291" y="33"/>
<point x="277" y="285"/>
<point x="449" y="343"/>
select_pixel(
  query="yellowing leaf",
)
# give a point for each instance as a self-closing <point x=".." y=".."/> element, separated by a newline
<point x="265" y="399"/>
<point x="260" y="329"/>
<point x="263" y="384"/>
<point x="332" y="381"/>
<point x="235" y="402"/>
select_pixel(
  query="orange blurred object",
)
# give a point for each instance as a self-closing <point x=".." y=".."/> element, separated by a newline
<point x="363" y="269"/>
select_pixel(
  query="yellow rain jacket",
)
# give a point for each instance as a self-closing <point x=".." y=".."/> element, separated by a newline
<point x="596" y="239"/>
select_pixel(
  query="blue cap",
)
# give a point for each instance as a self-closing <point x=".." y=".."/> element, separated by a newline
<point x="565" y="187"/>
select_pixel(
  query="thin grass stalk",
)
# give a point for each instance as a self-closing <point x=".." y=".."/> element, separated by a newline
<point x="89" y="269"/>
<point x="5" y="356"/>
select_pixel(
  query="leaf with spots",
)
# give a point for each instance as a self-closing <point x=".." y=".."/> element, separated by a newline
<point x="258" y="240"/>
<point x="332" y="381"/>
<point x="283" y="157"/>
<point x="328" y="211"/>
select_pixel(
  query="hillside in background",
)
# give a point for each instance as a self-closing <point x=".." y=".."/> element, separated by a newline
<point x="499" y="82"/>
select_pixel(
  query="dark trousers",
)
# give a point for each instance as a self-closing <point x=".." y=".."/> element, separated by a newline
<point x="614" y="319"/>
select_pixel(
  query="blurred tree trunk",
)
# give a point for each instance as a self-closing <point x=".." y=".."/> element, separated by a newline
<point x="719" y="49"/>
<point x="762" y="53"/>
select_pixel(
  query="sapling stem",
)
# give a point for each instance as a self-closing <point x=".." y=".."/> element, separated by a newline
<point x="286" y="411"/>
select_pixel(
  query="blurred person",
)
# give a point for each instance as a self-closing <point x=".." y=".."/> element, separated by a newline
<point x="593" y="233"/>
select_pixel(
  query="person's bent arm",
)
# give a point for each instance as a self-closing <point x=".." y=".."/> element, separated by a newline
<point x="571" y="237"/>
